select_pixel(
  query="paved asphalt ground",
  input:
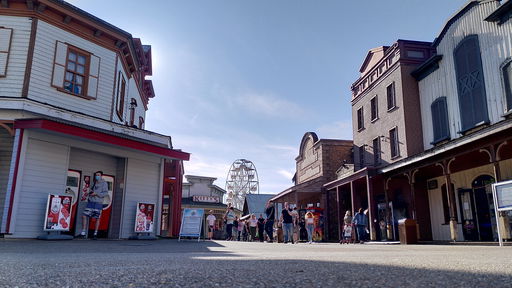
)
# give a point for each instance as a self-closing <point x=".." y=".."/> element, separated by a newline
<point x="169" y="263"/>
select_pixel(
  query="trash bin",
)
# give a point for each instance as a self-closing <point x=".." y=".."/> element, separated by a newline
<point x="407" y="231"/>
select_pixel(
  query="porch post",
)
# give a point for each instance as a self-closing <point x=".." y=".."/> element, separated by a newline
<point x="338" y="212"/>
<point x="451" y="200"/>
<point x="371" y="224"/>
<point x="412" y="182"/>
<point x="388" y="212"/>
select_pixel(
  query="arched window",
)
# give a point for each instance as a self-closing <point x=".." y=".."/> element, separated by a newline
<point x="440" y="120"/>
<point x="470" y="84"/>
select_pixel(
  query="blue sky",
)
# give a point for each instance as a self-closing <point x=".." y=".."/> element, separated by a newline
<point x="246" y="79"/>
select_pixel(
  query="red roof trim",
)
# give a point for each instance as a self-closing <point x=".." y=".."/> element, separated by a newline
<point x="99" y="136"/>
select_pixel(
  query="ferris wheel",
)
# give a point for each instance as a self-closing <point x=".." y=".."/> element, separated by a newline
<point x="242" y="180"/>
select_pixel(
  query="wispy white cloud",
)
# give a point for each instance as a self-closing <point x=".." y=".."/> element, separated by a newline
<point x="268" y="104"/>
<point x="286" y="174"/>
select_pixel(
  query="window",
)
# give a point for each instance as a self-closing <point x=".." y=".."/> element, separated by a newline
<point x="470" y="84"/>
<point x="361" y="157"/>
<point x="5" y="46"/>
<point x="507" y="78"/>
<point x="376" y="151"/>
<point x="440" y="120"/>
<point x="76" y="66"/>
<point x="374" y="108"/>
<point x="360" y="119"/>
<point x="390" y="92"/>
<point x="141" y="122"/>
<point x="75" y="71"/>
<point x="133" y="105"/>
<point x="121" y="93"/>
<point x="393" y="142"/>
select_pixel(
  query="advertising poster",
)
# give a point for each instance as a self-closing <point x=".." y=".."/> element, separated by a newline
<point x="318" y="232"/>
<point x="144" y="217"/>
<point x="73" y="189"/>
<point x="191" y="222"/>
<point x="58" y="213"/>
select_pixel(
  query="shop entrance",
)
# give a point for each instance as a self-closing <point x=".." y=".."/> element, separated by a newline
<point x="477" y="210"/>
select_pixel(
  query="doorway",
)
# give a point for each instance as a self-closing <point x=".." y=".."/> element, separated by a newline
<point x="477" y="210"/>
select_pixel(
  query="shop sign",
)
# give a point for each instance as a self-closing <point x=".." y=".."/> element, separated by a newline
<point x="144" y="216"/>
<point x="204" y="198"/>
<point x="58" y="213"/>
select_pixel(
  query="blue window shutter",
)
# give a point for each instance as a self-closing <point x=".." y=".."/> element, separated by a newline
<point x="470" y="83"/>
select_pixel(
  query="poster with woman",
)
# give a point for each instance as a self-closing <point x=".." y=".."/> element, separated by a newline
<point x="58" y="213"/>
<point x="144" y="216"/>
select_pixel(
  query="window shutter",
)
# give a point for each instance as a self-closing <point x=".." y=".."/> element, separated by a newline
<point x="507" y="76"/>
<point x="5" y="45"/>
<point x="94" y="72"/>
<point x="470" y="83"/>
<point x="59" y="64"/>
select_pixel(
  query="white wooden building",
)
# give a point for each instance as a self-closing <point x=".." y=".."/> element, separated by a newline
<point x="73" y="100"/>
<point x="465" y="98"/>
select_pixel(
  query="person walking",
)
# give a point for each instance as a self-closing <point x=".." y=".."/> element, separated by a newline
<point x="296" y="227"/>
<point x="360" y="221"/>
<point x="269" y="222"/>
<point x="98" y="191"/>
<point x="211" y="224"/>
<point x="253" y="223"/>
<point x="286" y="220"/>
<point x="261" y="228"/>
<point x="230" y="218"/>
<point x="347" y="228"/>
<point x="310" y="225"/>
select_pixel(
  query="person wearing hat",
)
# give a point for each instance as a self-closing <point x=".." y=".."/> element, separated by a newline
<point x="211" y="224"/>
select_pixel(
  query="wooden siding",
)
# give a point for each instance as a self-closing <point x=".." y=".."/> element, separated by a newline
<point x="6" y="142"/>
<point x="440" y="230"/>
<point x="3" y="216"/>
<point x="142" y="185"/>
<point x="40" y="83"/>
<point x="496" y="47"/>
<point x="44" y="172"/>
<point x="12" y="84"/>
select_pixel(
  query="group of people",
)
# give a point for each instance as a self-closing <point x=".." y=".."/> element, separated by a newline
<point x="262" y="229"/>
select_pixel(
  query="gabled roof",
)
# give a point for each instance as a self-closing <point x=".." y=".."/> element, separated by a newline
<point x="373" y="56"/>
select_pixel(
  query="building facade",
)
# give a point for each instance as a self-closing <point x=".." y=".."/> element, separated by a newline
<point x="317" y="164"/>
<point x="73" y="100"/>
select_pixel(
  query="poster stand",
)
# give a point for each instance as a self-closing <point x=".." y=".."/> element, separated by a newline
<point x="502" y="196"/>
<point x="57" y="217"/>
<point x="144" y="215"/>
<point x="54" y="235"/>
<point x="191" y="223"/>
<point x="142" y="236"/>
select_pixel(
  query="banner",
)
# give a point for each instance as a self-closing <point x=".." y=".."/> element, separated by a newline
<point x="144" y="216"/>
<point x="191" y="222"/>
<point x="58" y="213"/>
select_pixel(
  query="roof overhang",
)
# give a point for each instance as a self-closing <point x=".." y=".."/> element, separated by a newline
<point x="100" y="136"/>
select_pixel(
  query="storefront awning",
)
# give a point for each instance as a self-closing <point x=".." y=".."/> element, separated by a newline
<point x="100" y="136"/>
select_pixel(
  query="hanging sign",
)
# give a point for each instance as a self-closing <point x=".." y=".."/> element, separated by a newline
<point x="58" y="213"/>
<point x="144" y="217"/>
<point x="191" y="222"/>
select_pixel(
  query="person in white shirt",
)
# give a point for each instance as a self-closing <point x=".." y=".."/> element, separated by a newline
<point x="211" y="224"/>
<point x="253" y="223"/>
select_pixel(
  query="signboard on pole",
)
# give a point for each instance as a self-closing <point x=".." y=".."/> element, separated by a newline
<point x="191" y="223"/>
<point x="58" y="213"/>
<point x="502" y="194"/>
<point x="144" y="217"/>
